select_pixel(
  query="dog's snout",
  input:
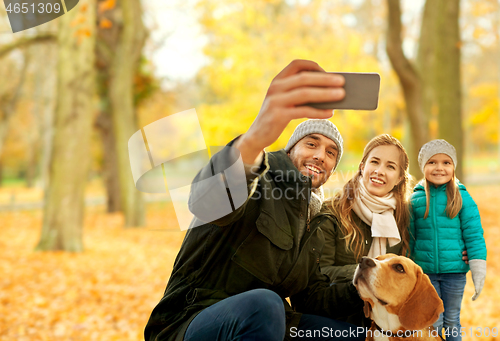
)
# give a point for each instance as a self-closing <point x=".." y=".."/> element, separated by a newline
<point x="367" y="262"/>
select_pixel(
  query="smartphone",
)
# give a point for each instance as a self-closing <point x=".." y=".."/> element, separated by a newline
<point x="361" y="92"/>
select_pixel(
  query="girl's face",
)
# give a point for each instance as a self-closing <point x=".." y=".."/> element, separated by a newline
<point x="439" y="169"/>
<point x="381" y="172"/>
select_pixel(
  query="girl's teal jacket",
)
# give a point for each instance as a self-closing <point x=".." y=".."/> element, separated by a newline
<point x="436" y="243"/>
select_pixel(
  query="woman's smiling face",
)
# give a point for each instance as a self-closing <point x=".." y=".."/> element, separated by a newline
<point x="381" y="171"/>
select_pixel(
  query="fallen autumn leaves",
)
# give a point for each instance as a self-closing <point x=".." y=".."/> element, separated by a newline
<point x="108" y="292"/>
<point x="105" y="293"/>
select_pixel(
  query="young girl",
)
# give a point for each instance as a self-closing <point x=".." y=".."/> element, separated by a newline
<point x="445" y="222"/>
<point x="370" y="216"/>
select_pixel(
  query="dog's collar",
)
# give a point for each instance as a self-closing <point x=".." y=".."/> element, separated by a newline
<point x="390" y="333"/>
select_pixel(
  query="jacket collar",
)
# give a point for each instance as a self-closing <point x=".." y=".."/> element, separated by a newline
<point x="282" y="169"/>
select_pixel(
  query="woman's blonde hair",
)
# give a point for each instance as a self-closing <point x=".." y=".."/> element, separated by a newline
<point x="341" y="204"/>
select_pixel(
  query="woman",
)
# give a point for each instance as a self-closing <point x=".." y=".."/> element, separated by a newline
<point x="370" y="216"/>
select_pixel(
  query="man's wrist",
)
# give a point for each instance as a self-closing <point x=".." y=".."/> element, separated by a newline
<point x="250" y="154"/>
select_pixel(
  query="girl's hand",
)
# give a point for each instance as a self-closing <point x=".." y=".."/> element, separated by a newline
<point x="478" y="270"/>
<point x="465" y="258"/>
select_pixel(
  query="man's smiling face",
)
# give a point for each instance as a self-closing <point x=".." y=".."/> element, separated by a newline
<point x="315" y="156"/>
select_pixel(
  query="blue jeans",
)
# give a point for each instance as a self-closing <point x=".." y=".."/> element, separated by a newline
<point x="258" y="315"/>
<point x="450" y="287"/>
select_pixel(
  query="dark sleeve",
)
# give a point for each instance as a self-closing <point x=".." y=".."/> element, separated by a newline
<point x="329" y="226"/>
<point x="221" y="190"/>
<point x="320" y="298"/>
<point x="413" y="232"/>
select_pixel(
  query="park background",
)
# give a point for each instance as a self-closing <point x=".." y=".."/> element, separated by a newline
<point x="85" y="256"/>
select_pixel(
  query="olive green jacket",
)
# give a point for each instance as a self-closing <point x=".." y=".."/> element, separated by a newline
<point x="339" y="263"/>
<point x="255" y="246"/>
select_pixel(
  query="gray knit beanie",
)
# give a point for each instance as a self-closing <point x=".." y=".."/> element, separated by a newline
<point x="316" y="126"/>
<point x="434" y="147"/>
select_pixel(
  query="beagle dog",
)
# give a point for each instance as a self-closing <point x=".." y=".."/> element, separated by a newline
<point x="399" y="299"/>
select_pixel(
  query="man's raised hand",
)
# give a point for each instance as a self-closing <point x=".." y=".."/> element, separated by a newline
<point x="302" y="81"/>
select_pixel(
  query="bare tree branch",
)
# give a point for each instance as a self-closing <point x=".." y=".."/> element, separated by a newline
<point x="405" y="70"/>
<point x="26" y="41"/>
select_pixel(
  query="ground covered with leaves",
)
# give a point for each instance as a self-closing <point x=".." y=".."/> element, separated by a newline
<point x="108" y="291"/>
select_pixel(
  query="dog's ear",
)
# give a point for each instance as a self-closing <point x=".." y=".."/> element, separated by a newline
<point x="423" y="306"/>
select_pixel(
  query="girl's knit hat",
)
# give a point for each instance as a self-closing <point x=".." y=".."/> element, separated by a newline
<point x="434" y="147"/>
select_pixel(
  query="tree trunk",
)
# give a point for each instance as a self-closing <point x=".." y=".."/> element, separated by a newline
<point x="410" y="83"/>
<point x="31" y="164"/>
<point x="426" y="63"/>
<point x="448" y="80"/>
<point x="46" y="116"/>
<point x="110" y="166"/>
<point x="107" y="38"/>
<point x="70" y="159"/>
<point x="8" y="104"/>
<point x="122" y="71"/>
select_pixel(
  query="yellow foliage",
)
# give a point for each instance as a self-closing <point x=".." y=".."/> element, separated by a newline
<point x="106" y="5"/>
<point x="105" y="23"/>
<point x="83" y="8"/>
<point x="250" y="42"/>
<point x="484" y="120"/>
<point x="83" y="32"/>
<point x="80" y="19"/>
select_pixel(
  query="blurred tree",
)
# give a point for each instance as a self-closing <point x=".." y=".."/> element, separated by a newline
<point x="64" y="199"/>
<point x="410" y="83"/>
<point x="9" y="96"/>
<point x="425" y="64"/>
<point x="26" y="41"/>
<point x="34" y="124"/>
<point x="119" y="47"/>
<point x="448" y="77"/>
<point x="431" y="87"/>
<point x="107" y="37"/>
<point x="481" y="73"/>
<point x="45" y="102"/>
<point x="37" y="76"/>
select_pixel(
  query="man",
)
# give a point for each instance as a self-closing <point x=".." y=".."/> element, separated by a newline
<point x="231" y="276"/>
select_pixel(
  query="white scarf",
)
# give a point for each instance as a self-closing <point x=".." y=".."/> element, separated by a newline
<point x="378" y="212"/>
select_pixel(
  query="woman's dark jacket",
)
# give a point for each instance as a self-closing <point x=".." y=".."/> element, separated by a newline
<point x="254" y="247"/>
<point x="339" y="263"/>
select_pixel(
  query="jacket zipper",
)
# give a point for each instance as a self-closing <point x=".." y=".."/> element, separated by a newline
<point x="436" y="249"/>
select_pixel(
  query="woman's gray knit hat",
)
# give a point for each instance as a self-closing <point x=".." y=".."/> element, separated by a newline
<point x="316" y="126"/>
<point x="434" y="147"/>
